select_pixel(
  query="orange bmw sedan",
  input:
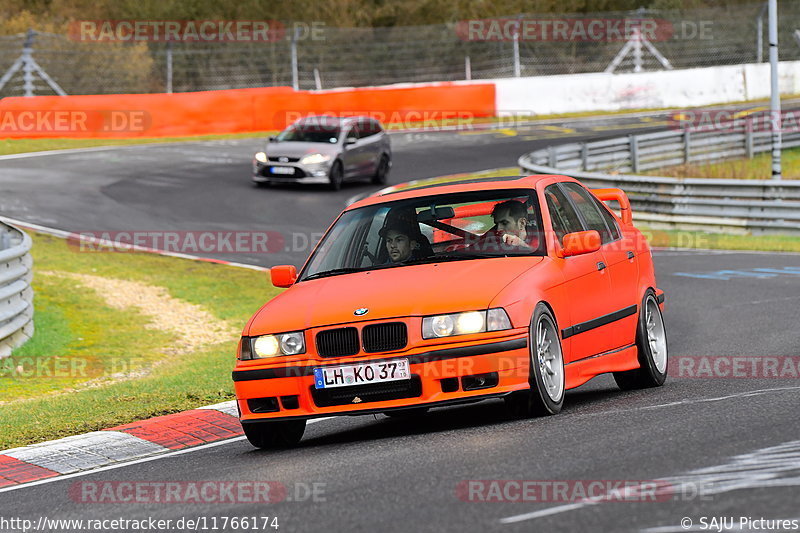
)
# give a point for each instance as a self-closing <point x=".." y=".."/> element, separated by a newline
<point x="437" y="293"/>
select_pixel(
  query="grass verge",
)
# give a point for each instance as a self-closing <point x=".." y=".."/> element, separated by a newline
<point x="759" y="167"/>
<point x="91" y="365"/>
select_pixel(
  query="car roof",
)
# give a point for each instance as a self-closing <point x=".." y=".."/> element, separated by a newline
<point x="341" y="120"/>
<point x="453" y="184"/>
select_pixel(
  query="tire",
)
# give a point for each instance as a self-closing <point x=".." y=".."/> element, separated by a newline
<point x="651" y="344"/>
<point x="275" y="434"/>
<point x="336" y="176"/>
<point x="546" y="375"/>
<point x="381" y="172"/>
<point x="411" y="412"/>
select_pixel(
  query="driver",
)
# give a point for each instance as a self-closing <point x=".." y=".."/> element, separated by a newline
<point x="402" y="241"/>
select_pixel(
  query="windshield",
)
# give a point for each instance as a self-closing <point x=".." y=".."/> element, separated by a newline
<point x="312" y="132"/>
<point x="453" y="227"/>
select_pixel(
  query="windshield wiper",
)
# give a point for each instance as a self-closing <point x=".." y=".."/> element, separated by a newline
<point x="453" y="257"/>
<point x="333" y="272"/>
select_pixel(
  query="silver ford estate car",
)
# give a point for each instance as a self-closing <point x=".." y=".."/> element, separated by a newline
<point x="324" y="149"/>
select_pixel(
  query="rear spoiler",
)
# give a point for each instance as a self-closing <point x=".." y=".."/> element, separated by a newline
<point x="607" y="195"/>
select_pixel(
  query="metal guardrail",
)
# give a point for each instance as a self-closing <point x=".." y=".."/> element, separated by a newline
<point x="16" y="294"/>
<point x="749" y="205"/>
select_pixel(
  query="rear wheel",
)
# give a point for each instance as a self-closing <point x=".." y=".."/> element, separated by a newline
<point x="651" y="343"/>
<point x="275" y="434"/>
<point x="381" y="172"/>
<point x="546" y="374"/>
<point x="336" y="176"/>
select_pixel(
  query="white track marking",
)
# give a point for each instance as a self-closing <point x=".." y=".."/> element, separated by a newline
<point x="138" y="461"/>
<point x="66" y="234"/>
<point x="775" y="466"/>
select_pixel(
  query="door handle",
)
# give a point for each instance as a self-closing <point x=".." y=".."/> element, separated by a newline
<point x="601" y="266"/>
<point x="630" y="255"/>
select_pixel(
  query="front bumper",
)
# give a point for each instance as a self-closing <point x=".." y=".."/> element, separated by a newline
<point x="441" y="376"/>
<point x="306" y="174"/>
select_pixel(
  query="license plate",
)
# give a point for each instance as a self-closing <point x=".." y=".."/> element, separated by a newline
<point x="362" y="374"/>
<point x="282" y="170"/>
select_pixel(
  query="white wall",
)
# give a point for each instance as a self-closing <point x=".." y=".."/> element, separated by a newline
<point x="670" y="88"/>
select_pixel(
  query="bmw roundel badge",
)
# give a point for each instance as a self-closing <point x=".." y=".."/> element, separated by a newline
<point x="361" y="311"/>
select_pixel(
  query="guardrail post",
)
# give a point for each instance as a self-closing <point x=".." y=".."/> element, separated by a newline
<point x="634" y="142"/>
<point x="687" y="146"/>
<point x="584" y="156"/>
<point x="552" y="156"/>
<point x="748" y="139"/>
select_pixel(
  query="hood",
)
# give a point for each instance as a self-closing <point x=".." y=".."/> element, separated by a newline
<point x="298" y="149"/>
<point x="391" y="292"/>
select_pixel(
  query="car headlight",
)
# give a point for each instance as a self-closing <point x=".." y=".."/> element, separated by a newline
<point x="272" y="345"/>
<point x="434" y="327"/>
<point x="261" y="157"/>
<point x="315" y="159"/>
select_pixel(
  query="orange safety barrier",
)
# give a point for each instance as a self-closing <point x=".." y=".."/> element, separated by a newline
<point x="235" y="110"/>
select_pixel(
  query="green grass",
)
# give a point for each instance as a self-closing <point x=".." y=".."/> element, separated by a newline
<point x="759" y="167"/>
<point x="19" y="146"/>
<point x="76" y="327"/>
<point x="719" y="241"/>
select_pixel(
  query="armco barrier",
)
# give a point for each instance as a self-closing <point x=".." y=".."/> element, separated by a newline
<point x="230" y="111"/>
<point x="746" y="205"/>
<point x="16" y="295"/>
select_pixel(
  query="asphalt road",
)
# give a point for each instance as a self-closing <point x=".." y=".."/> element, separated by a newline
<point x="710" y="440"/>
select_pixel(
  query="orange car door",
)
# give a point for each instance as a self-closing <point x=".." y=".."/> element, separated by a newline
<point x="620" y="264"/>
<point x="587" y="284"/>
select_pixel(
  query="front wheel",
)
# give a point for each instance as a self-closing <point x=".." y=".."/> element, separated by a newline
<point x="336" y="176"/>
<point x="381" y="172"/>
<point x="546" y="374"/>
<point x="651" y="343"/>
<point x="275" y="434"/>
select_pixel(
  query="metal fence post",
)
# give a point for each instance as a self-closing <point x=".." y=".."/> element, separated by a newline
<point x="27" y="64"/>
<point x="584" y="156"/>
<point x="317" y="79"/>
<point x="467" y="68"/>
<point x="634" y="143"/>
<point x="517" y="68"/>
<point x="748" y="139"/>
<point x="295" y="73"/>
<point x="169" y="67"/>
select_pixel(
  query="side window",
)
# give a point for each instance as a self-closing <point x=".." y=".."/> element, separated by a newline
<point x="610" y="222"/>
<point x="590" y="210"/>
<point x="376" y="127"/>
<point x="565" y="219"/>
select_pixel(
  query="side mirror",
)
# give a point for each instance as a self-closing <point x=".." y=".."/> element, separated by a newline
<point x="284" y="276"/>
<point x="349" y="141"/>
<point x="272" y="139"/>
<point x="581" y="242"/>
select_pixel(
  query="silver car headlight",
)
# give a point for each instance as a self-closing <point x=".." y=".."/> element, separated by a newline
<point x="315" y="159"/>
<point x="273" y="345"/>
<point x="261" y="157"/>
<point x="434" y="327"/>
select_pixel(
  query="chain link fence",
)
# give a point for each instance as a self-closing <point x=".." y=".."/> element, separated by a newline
<point x="353" y="57"/>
